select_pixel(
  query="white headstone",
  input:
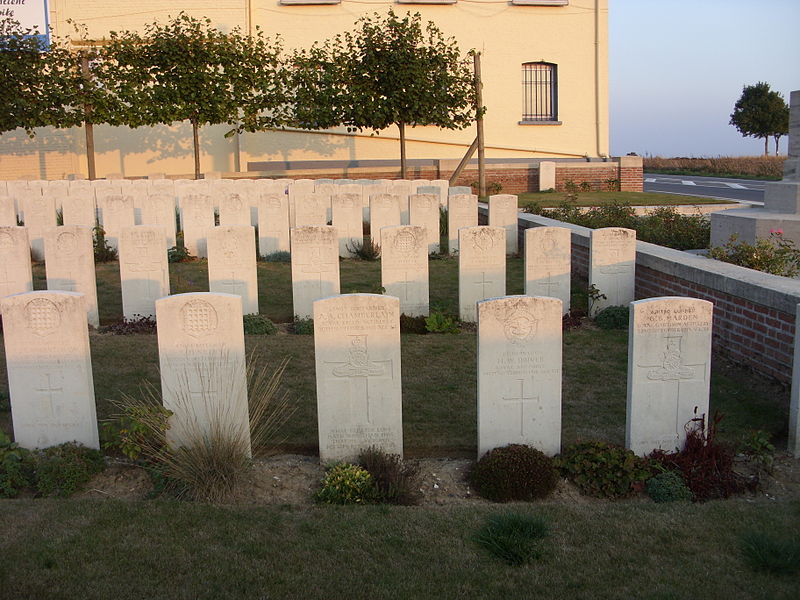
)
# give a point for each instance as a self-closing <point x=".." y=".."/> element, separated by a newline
<point x="359" y="396"/>
<point x="347" y="218"/>
<point x="15" y="261"/>
<point x="612" y="265"/>
<point x="503" y="213"/>
<point x="49" y="369"/>
<point x="519" y="373"/>
<point x="298" y="189"/>
<point x="197" y="217"/>
<point x="404" y="267"/>
<point x="402" y="189"/>
<point x="311" y="209"/>
<point x="462" y="211"/>
<point x="40" y="215"/>
<point x="273" y="223"/>
<point x="69" y="262"/>
<point x="443" y="186"/>
<point x="315" y="266"/>
<point x="232" y="264"/>
<point x="548" y="255"/>
<point x="669" y="369"/>
<point x="143" y="269"/>
<point x="384" y="211"/>
<point x="203" y="372"/>
<point x="424" y="212"/>
<point x="8" y="211"/>
<point x="158" y="210"/>
<point x="234" y="209"/>
<point x="79" y="209"/>
<point x="116" y="213"/>
<point x="481" y="267"/>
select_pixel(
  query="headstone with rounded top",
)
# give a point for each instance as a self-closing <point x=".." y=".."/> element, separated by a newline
<point x="404" y="267"/>
<point x="232" y="264"/>
<point x="69" y="263"/>
<point x="548" y="256"/>
<point x="315" y="266"/>
<point x="143" y="270"/>
<point x="481" y="267"/>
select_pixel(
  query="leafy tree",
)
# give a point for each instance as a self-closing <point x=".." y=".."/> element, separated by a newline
<point x="760" y="113"/>
<point x="390" y="71"/>
<point x="188" y="70"/>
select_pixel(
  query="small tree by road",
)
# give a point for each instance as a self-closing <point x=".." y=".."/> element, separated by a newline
<point x="761" y="113"/>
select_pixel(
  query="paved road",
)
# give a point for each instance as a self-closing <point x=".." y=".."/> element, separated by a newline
<point x="742" y="190"/>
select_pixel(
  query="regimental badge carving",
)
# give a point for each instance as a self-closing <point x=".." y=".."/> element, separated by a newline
<point x="235" y="202"/>
<point x="143" y="239"/>
<point x="358" y="363"/>
<point x="549" y="245"/>
<point x="42" y="316"/>
<point x="115" y="203"/>
<point x="672" y="367"/>
<point x="66" y="243"/>
<point x="230" y="249"/>
<point x="424" y="203"/>
<point x="6" y="241"/>
<point x="519" y="324"/>
<point x="198" y="318"/>
<point x="273" y="203"/>
<point x="406" y="242"/>
<point x="483" y="240"/>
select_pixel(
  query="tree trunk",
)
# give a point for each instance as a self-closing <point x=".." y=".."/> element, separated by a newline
<point x="87" y="124"/>
<point x="196" y="143"/>
<point x="777" y="138"/>
<point x="766" y="148"/>
<point x="402" y="127"/>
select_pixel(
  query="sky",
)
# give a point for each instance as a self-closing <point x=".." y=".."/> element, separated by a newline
<point x="677" y="67"/>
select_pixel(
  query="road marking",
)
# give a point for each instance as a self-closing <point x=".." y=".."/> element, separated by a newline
<point x="650" y="180"/>
<point x="684" y="182"/>
<point x="735" y="186"/>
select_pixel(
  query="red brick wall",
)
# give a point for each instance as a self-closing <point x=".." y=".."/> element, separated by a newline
<point x="600" y="176"/>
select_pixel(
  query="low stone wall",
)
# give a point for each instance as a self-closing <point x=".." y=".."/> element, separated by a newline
<point x="754" y="312"/>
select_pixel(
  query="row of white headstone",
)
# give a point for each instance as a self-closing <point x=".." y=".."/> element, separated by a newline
<point x="358" y="370"/>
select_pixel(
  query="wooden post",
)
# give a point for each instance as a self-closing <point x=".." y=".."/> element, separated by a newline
<point x="87" y="123"/>
<point x="479" y="122"/>
<point x="467" y="155"/>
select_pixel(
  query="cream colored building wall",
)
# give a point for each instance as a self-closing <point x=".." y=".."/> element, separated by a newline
<point x="507" y="36"/>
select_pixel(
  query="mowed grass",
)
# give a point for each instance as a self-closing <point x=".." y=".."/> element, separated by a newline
<point x="172" y="550"/>
<point x="439" y="370"/>
<point x="553" y="199"/>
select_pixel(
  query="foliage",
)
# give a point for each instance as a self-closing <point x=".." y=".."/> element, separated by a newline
<point x="396" y="481"/>
<point x="62" y="470"/>
<point x="668" y="487"/>
<point x="573" y="319"/>
<point x="760" y="113"/>
<point x="752" y="167"/>
<point x="259" y="325"/>
<point x="364" y="250"/>
<point x="188" y="70"/>
<point x="133" y="326"/>
<point x="439" y="322"/>
<point x="303" y="326"/>
<point x="512" y="537"/>
<point x="391" y="70"/>
<point x="514" y="472"/>
<point x="282" y="256"/>
<point x="346" y="484"/>
<point x="705" y="464"/>
<point x="776" y="254"/>
<point x="103" y="252"/>
<point x="760" y="450"/>
<point x="769" y="553"/>
<point x="179" y="253"/>
<point x="416" y="325"/>
<point x="603" y="470"/>
<point x="139" y="430"/>
<point x="443" y="222"/>
<point x="593" y="296"/>
<point x="16" y="468"/>
<point x="613" y="317"/>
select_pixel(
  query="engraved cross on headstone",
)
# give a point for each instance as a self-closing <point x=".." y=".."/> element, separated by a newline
<point x="150" y="267"/>
<point x="549" y="284"/>
<point x="48" y="391"/>
<point x="317" y="265"/>
<point x="522" y="400"/>
<point x="483" y="283"/>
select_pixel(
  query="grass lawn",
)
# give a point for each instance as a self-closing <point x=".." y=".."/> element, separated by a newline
<point x="596" y="549"/>
<point x="552" y="199"/>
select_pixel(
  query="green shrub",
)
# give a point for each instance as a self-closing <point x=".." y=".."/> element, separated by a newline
<point x="443" y="224"/>
<point x="282" y="256"/>
<point x="16" y="468"/>
<point x="258" y="325"/>
<point x="178" y="253"/>
<point x="668" y="487"/>
<point x="613" y="317"/>
<point x="776" y="254"/>
<point x="665" y="226"/>
<point x="767" y="553"/>
<point x="347" y="484"/>
<point x="62" y="470"/>
<point x="513" y="537"/>
<point x="136" y="325"/>
<point x="303" y="326"/>
<point x="760" y="450"/>
<point x="438" y="322"/>
<point x="514" y="472"/>
<point x="396" y="482"/>
<point x="603" y="470"/>
<point x="413" y="324"/>
<point x="138" y="431"/>
<point x="102" y="251"/>
<point x="364" y="250"/>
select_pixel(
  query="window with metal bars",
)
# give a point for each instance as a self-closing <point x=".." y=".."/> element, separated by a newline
<point x="539" y="92"/>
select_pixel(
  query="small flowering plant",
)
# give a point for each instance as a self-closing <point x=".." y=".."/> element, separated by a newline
<point x="776" y="255"/>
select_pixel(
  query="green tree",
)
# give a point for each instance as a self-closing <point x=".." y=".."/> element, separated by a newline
<point x="390" y="71"/>
<point x="760" y="113"/>
<point x="187" y="70"/>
